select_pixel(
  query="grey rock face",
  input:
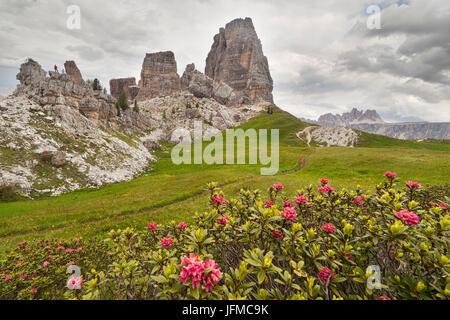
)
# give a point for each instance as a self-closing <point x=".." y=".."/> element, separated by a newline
<point x="159" y="76"/>
<point x="236" y="58"/>
<point x="117" y="86"/>
<point x="72" y="70"/>
<point x="30" y="72"/>
<point x="408" y="130"/>
<point x="200" y="85"/>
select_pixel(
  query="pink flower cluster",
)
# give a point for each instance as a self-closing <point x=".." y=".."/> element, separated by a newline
<point x="390" y="175"/>
<point x="223" y="220"/>
<point x="182" y="226"/>
<point x="301" y="199"/>
<point x="289" y="213"/>
<point x="408" y="217"/>
<point x="383" y="297"/>
<point x="324" y="274"/>
<point x="328" y="227"/>
<point x="218" y="199"/>
<point x="277" y="234"/>
<point x="196" y="271"/>
<point x="289" y="204"/>
<point x="166" y="242"/>
<point x="413" y="185"/>
<point x="325" y="189"/>
<point x="359" y="200"/>
<point x="152" y="226"/>
<point x="269" y="204"/>
<point x="324" y="181"/>
<point x="278" y="186"/>
<point x="75" y="283"/>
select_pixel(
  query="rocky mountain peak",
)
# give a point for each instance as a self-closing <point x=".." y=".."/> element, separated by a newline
<point x="72" y="70"/>
<point x="236" y="58"/>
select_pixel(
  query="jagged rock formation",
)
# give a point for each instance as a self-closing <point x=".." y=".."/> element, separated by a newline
<point x="57" y="136"/>
<point x="371" y="122"/>
<point x="236" y="58"/>
<point x="72" y="70"/>
<point x="159" y="76"/>
<point x="349" y="118"/>
<point x="127" y="85"/>
<point x="197" y="83"/>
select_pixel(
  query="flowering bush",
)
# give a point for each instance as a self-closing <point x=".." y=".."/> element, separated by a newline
<point x="39" y="269"/>
<point x="321" y="244"/>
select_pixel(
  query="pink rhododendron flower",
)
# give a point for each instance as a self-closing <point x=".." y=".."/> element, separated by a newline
<point x="413" y="185"/>
<point x="45" y="264"/>
<point x="69" y="250"/>
<point x="46" y="247"/>
<point x="60" y="248"/>
<point x="408" y="217"/>
<point x="301" y="199"/>
<point x="277" y="234"/>
<point x="289" y="214"/>
<point x="210" y="278"/>
<point x="182" y="226"/>
<point x="152" y="226"/>
<point x="75" y="283"/>
<point x="289" y="204"/>
<point x="166" y="242"/>
<point x="34" y="291"/>
<point x="324" y="181"/>
<point x="9" y="277"/>
<point x="38" y="243"/>
<point x="223" y="220"/>
<point x="384" y="298"/>
<point x="19" y="264"/>
<point x="269" y="204"/>
<point x="328" y="227"/>
<point x="324" y="274"/>
<point x="359" y="200"/>
<point x="71" y="263"/>
<point x="325" y="189"/>
<point x="198" y="272"/>
<point x="79" y="249"/>
<point x="390" y="175"/>
<point x="278" y="186"/>
<point x="218" y="199"/>
<point x="76" y="240"/>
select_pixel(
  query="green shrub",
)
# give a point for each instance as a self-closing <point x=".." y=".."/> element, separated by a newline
<point x="122" y="102"/>
<point x="9" y="192"/>
<point x="323" y="244"/>
<point x="38" y="270"/>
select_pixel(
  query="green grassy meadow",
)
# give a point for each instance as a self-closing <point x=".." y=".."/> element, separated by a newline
<point x="170" y="192"/>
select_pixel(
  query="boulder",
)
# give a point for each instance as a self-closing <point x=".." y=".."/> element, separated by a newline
<point x="72" y="70"/>
<point x="58" y="159"/>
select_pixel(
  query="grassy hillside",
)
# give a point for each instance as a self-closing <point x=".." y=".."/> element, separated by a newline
<point x="171" y="192"/>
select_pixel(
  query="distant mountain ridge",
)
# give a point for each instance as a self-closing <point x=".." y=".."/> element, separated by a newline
<point x="370" y="121"/>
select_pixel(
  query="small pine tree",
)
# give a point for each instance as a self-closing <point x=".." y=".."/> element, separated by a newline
<point x="136" y="107"/>
<point x="96" y="85"/>
<point x="105" y="91"/>
<point x="122" y="103"/>
<point x="164" y="114"/>
<point x="188" y="105"/>
<point x="197" y="105"/>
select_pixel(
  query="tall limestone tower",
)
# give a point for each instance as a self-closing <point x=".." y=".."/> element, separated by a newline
<point x="237" y="59"/>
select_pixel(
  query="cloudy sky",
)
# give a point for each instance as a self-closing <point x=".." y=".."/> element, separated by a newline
<point x="322" y="56"/>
